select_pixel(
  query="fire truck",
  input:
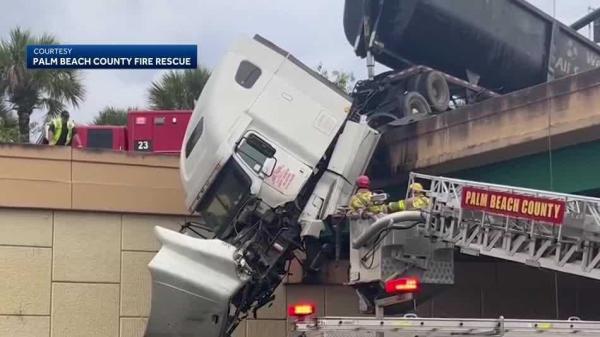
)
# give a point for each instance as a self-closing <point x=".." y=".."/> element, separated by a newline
<point x="149" y="131"/>
<point x="537" y="228"/>
<point x="269" y="161"/>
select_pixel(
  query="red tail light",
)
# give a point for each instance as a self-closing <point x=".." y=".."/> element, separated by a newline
<point x="402" y="285"/>
<point x="301" y="310"/>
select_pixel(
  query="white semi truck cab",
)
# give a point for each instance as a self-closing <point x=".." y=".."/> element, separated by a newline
<point x="268" y="156"/>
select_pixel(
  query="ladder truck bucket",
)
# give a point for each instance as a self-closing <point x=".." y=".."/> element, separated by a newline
<point x="390" y="256"/>
<point x="193" y="281"/>
<point x="385" y="223"/>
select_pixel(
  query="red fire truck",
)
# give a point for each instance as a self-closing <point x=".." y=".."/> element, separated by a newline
<point x="154" y="131"/>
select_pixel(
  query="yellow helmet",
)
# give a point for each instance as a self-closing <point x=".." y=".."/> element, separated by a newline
<point x="417" y="187"/>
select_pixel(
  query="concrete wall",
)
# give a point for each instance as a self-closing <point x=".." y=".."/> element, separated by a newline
<point x="62" y="178"/>
<point x="76" y="237"/>
<point x="572" y="169"/>
<point x="72" y="273"/>
<point x="84" y="274"/>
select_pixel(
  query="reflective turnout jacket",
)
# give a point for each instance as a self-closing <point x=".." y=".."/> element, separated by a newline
<point x="362" y="200"/>
<point x="417" y="202"/>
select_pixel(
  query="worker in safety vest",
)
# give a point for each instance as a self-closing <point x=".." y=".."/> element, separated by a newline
<point x="417" y="200"/>
<point x="362" y="200"/>
<point x="61" y="131"/>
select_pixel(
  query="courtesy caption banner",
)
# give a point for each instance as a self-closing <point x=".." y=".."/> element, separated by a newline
<point x="73" y="56"/>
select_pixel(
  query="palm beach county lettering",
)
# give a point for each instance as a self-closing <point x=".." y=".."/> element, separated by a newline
<point x="514" y="205"/>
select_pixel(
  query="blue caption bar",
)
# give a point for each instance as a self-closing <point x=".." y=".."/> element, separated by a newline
<point x="74" y="56"/>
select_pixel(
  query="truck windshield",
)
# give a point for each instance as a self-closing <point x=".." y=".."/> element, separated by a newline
<point x="225" y="197"/>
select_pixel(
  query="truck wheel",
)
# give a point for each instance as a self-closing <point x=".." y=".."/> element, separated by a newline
<point x="413" y="83"/>
<point x="413" y="103"/>
<point x="434" y="88"/>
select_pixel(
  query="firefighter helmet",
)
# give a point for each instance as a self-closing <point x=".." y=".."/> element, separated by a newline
<point x="363" y="182"/>
<point x="416" y="187"/>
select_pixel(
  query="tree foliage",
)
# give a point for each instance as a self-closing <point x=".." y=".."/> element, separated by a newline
<point x="9" y="132"/>
<point x="112" y="116"/>
<point x="178" y="89"/>
<point x="25" y="90"/>
<point x="343" y="79"/>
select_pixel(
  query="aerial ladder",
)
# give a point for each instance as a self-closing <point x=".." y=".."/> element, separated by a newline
<point x="565" y="238"/>
<point x="538" y="228"/>
<point x="412" y="326"/>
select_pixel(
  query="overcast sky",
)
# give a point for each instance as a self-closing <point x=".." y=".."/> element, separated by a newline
<point x="311" y="29"/>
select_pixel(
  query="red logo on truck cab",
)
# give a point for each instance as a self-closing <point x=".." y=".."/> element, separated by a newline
<point x="281" y="178"/>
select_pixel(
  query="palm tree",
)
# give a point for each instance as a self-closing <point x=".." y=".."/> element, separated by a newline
<point x="26" y="90"/>
<point x="178" y="89"/>
<point x="112" y="116"/>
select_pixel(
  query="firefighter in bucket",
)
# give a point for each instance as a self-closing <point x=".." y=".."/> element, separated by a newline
<point x="365" y="200"/>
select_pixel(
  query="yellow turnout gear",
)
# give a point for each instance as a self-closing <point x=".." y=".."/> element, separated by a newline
<point x="416" y="202"/>
<point x="362" y="200"/>
<point x="57" y="122"/>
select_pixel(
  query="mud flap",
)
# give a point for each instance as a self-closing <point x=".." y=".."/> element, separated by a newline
<point x="193" y="281"/>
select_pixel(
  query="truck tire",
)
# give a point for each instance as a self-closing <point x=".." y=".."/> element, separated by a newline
<point x="413" y="103"/>
<point x="413" y="83"/>
<point x="434" y="88"/>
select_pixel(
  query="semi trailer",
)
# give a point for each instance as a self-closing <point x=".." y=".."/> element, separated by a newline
<point x="494" y="46"/>
<point x="269" y="162"/>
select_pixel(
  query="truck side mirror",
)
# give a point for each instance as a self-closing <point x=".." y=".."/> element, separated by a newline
<point x="255" y="186"/>
<point x="268" y="166"/>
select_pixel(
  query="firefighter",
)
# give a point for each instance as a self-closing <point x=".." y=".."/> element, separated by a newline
<point x="417" y="200"/>
<point x="362" y="199"/>
<point x="61" y="131"/>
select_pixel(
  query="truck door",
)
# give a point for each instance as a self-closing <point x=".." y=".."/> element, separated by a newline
<point x="284" y="178"/>
<point x="141" y="127"/>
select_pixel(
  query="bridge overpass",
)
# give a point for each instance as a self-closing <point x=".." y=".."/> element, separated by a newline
<point x="545" y="137"/>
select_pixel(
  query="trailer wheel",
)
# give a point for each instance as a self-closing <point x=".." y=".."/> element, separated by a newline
<point x="413" y="103"/>
<point x="434" y="88"/>
<point x="413" y="83"/>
